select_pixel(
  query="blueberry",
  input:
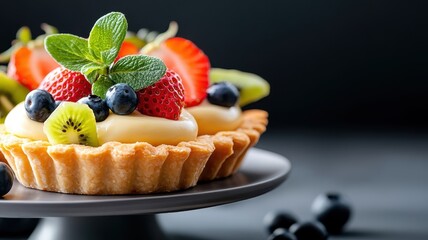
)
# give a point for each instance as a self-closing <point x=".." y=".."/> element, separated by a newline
<point x="281" y="234"/>
<point x="332" y="210"/>
<point x="121" y="99"/>
<point x="98" y="106"/>
<point x="6" y="178"/>
<point x="39" y="104"/>
<point x="223" y="94"/>
<point x="313" y="230"/>
<point x="57" y="103"/>
<point x="274" y="220"/>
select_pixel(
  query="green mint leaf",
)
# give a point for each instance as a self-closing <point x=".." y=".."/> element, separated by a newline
<point x="138" y="71"/>
<point x="101" y="86"/>
<point x="69" y="50"/>
<point x="93" y="71"/>
<point x="107" y="35"/>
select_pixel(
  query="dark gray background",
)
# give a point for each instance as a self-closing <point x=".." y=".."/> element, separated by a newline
<point x="330" y="63"/>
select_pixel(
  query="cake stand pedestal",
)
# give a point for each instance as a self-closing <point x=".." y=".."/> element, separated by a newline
<point x="67" y="216"/>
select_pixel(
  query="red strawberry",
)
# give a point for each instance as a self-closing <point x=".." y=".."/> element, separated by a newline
<point x="29" y="65"/>
<point x="66" y="85"/>
<point x="164" y="99"/>
<point x="186" y="59"/>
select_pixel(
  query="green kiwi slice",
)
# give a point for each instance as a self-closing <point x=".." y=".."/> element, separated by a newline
<point x="72" y="123"/>
<point x="251" y="86"/>
<point x="11" y="93"/>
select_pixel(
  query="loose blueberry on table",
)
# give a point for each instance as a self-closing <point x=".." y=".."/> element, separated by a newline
<point x="332" y="210"/>
<point x="312" y="230"/>
<point x="281" y="234"/>
<point x="275" y="220"/>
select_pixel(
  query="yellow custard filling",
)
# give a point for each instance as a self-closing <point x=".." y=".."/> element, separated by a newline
<point x="132" y="128"/>
<point x="212" y="118"/>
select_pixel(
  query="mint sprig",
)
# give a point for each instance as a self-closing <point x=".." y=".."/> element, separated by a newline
<point x="94" y="57"/>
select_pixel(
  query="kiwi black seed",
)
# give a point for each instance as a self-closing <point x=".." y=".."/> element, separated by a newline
<point x="72" y="123"/>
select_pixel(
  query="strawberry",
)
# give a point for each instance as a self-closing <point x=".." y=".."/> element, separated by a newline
<point x="66" y="85"/>
<point x="29" y="65"/>
<point x="127" y="48"/>
<point x="164" y="99"/>
<point x="186" y="59"/>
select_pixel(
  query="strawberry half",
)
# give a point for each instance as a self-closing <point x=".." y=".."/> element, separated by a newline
<point x="66" y="85"/>
<point x="164" y="99"/>
<point x="186" y="59"/>
<point x="29" y="66"/>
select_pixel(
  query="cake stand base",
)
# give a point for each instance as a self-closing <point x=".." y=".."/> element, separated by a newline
<point x="101" y="227"/>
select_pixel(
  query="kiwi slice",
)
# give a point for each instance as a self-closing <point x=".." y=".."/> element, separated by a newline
<point x="251" y="86"/>
<point x="11" y="93"/>
<point x="72" y="123"/>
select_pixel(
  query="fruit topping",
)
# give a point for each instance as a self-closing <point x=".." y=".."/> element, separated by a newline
<point x="29" y="62"/>
<point x="39" y="104"/>
<point x="251" y="86"/>
<point x="223" y="94"/>
<point x="11" y="93"/>
<point x="186" y="59"/>
<point x="95" y="56"/>
<point x="98" y="106"/>
<point x="66" y="85"/>
<point x="71" y="123"/>
<point x="121" y="99"/>
<point x="275" y="220"/>
<point x="332" y="210"/>
<point x="6" y="179"/>
<point x="164" y="99"/>
<point x="312" y="230"/>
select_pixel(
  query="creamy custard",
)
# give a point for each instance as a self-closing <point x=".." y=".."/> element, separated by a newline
<point x="212" y="118"/>
<point x="132" y="128"/>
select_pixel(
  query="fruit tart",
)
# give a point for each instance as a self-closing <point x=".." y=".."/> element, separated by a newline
<point x="112" y="121"/>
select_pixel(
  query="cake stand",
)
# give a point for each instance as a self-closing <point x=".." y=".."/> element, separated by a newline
<point x="67" y="216"/>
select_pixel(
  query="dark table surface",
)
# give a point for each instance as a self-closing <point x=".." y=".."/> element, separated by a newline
<point x="384" y="175"/>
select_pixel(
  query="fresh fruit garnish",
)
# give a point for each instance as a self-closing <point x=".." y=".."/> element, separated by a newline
<point x="187" y="60"/>
<point x="29" y="62"/>
<point x="6" y="179"/>
<point x="95" y="56"/>
<point x="71" y="123"/>
<point x="164" y="99"/>
<point x="275" y="220"/>
<point x="39" y="104"/>
<point x="66" y="85"/>
<point x="251" y="86"/>
<point x="11" y="93"/>
<point x="223" y="94"/>
<point x="332" y="210"/>
<point x="311" y="230"/>
<point x="121" y="99"/>
<point x="98" y="106"/>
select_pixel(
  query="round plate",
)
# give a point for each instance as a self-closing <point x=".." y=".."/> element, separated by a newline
<point x="261" y="171"/>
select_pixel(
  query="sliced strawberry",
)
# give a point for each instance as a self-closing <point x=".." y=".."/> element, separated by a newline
<point x="186" y="59"/>
<point x="66" y="85"/>
<point x="30" y="65"/>
<point x="127" y="48"/>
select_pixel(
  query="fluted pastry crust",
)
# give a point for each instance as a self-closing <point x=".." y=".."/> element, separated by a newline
<point x="137" y="168"/>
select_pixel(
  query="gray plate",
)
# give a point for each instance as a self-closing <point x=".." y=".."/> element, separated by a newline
<point x="261" y="172"/>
